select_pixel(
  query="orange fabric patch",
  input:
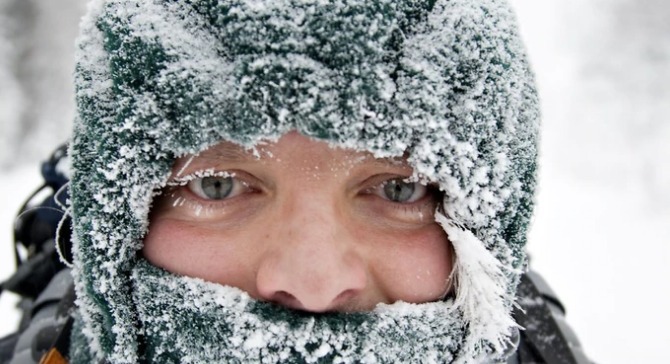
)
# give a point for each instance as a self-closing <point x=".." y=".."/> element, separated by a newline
<point x="53" y="356"/>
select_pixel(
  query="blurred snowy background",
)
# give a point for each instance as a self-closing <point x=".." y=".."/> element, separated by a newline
<point x="601" y="235"/>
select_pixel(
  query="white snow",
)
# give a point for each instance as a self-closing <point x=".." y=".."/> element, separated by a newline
<point x="602" y="225"/>
<point x="480" y="284"/>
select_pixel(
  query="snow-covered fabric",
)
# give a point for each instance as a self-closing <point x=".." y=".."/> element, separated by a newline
<point x="444" y="82"/>
<point x="212" y="317"/>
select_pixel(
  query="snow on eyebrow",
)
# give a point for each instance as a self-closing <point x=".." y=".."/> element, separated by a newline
<point x="184" y="180"/>
<point x="226" y="152"/>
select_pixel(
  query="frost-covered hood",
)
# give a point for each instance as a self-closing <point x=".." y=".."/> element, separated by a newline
<point x="444" y="82"/>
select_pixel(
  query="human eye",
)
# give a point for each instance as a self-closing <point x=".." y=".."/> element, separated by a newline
<point x="400" y="199"/>
<point x="213" y="186"/>
<point x="401" y="190"/>
<point x="207" y="195"/>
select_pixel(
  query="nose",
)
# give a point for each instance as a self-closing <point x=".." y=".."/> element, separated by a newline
<point x="313" y="264"/>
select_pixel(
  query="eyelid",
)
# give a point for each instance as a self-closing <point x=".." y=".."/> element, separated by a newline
<point x="179" y="196"/>
<point x="415" y="213"/>
<point x="184" y="180"/>
<point x="420" y="189"/>
<point x="378" y="179"/>
<point x="250" y="182"/>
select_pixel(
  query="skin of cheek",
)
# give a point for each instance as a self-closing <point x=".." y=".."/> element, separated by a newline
<point x="198" y="250"/>
<point x="411" y="266"/>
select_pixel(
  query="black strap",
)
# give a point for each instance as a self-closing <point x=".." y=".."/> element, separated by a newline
<point x="62" y="343"/>
<point x="39" y="223"/>
<point x="24" y="218"/>
<point x="543" y="337"/>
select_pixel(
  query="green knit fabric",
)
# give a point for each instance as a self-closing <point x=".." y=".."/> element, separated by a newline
<point x="213" y="316"/>
<point x="444" y="82"/>
<point x="79" y="347"/>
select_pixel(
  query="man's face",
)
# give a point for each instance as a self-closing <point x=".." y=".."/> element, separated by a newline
<point x="303" y="225"/>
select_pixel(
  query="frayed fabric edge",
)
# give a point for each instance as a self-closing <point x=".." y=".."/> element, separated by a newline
<point x="480" y="294"/>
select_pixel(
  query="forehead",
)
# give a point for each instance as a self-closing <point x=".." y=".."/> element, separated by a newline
<point x="290" y="149"/>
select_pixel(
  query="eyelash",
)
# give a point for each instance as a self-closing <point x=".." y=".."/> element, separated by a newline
<point x="182" y="196"/>
<point x="422" y="209"/>
<point x="425" y="204"/>
<point x="184" y="180"/>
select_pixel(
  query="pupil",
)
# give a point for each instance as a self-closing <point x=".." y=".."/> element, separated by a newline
<point x="217" y="188"/>
<point x="398" y="191"/>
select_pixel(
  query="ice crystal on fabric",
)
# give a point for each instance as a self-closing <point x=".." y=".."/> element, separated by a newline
<point x="232" y="327"/>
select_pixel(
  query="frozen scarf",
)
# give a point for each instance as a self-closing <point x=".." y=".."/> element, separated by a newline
<point x="444" y="82"/>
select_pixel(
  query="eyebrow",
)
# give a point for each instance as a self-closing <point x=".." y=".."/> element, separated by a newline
<point x="232" y="153"/>
<point x="390" y="161"/>
<point x="227" y="152"/>
<point x="224" y="152"/>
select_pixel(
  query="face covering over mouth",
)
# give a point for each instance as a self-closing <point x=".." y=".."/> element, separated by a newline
<point x="224" y="325"/>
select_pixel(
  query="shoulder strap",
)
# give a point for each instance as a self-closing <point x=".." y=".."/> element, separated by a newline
<point x="40" y="224"/>
<point x="59" y="352"/>
<point x="546" y="335"/>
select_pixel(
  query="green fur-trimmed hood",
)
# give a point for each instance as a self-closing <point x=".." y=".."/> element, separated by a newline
<point x="445" y="82"/>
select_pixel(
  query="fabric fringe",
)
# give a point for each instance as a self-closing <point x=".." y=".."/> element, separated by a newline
<point x="480" y="293"/>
